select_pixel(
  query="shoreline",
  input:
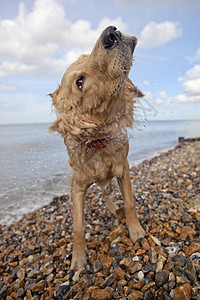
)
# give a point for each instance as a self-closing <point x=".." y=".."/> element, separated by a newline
<point x="13" y="218"/>
<point x="36" y="251"/>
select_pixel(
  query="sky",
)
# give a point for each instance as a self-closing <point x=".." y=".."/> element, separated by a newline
<point x="39" y="39"/>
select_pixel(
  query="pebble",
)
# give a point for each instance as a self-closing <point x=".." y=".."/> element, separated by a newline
<point x="186" y="231"/>
<point x="135" y="295"/>
<point x="38" y="287"/>
<point x="159" y="266"/>
<point x="152" y="255"/>
<point x="156" y="240"/>
<point x="194" y="247"/>
<point x="148" y="295"/>
<point x="119" y="273"/>
<point x="137" y="266"/>
<point x="102" y="294"/>
<point x="183" y="292"/>
<point x="161" y="277"/>
<point x="36" y="252"/>
<point x="97" y="266"/>
<point x="140" y="275"/>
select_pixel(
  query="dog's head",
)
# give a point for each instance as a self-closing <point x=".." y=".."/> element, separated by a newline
<point x="112" y="54"/>
<point x="91" y="84"/>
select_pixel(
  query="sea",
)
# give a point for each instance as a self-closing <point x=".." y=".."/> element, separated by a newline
<point x="34" y="162"/>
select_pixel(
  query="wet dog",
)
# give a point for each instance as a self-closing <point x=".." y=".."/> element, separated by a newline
<point x="95" y="103"/>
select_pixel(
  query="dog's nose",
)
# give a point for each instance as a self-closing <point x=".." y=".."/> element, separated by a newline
<point x="110" y="36"/>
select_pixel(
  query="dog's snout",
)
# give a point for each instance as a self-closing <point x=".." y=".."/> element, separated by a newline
<point x="110" y="36"/>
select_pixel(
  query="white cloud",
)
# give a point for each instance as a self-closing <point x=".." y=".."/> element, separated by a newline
<point x="44" y="41"/>
<point x="179" y="3"/>
<point x="145" y="82"/>
<point x="148" y="96"/>
<point x="158" y="34"/>
<point x="192" y="87"/>
<point x="6" y="88"/>
<point x="191" y="83"/>
<point x="195" y="58"/>
<point x="184" y="98"/>
<point x="193" y="73"/>
<point x="164" y="99"/>
<point x="197" y="55"/>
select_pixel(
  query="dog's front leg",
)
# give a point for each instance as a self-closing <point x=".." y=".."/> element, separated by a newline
<point x="78" y="255"/>
<point x="135" y="229"/>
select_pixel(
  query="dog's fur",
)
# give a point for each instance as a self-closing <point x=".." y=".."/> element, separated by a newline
<point x="95" y="101"/>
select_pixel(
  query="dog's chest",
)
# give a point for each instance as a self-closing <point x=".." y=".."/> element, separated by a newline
<point x="97" y="165"/>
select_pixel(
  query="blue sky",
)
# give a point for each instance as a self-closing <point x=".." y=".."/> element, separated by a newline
<point x="40" y="38"/>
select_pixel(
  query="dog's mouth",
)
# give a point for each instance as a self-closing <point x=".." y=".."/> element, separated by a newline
<point x="111" y="37"/>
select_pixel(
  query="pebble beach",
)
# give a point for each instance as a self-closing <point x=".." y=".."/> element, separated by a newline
<point x="35" y="252"/>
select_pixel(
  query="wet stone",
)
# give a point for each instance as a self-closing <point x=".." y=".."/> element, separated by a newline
<point x="194" y="247"/>
<point x="38" y="287"/>
<point x="20" y="292"/>
<point x="79" y="296"/>
<point x="162" y="295"/>
<point x="137" y="266"/>
<point x="119" y="273"/>
<point x="148" y="295"/>
<point x="186" y="231"/>
<point x="97" y="266"/>
<point x="183" y="292"/>
<point x="33" y="274"/>
<point x="179" y="260"/>
<point x="152" y="255"/>
<point x="75" y="289"/>
<point x="3" y="291"/>
<point x="145" y="245"/>
<point x="190" y="271"/>
<point x="62" y="290"/>
<point x="21" y="274"/>
<point x="105" y="261"/>
<point x="50" y="277"/>
<point x="140" y="275"/>
<point x="36" y="298"/>
<point x="161" y="277"/>
<point x="195" y="292"/>
<point x="148" y="268"/>
<point x="120" y="288"/>
<point x="186" y="218"/>
<point x="108" y="281"/>
<point x="135" y="295"/>
<point x="102" y="294"/>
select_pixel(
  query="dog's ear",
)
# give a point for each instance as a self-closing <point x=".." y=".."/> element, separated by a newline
<point x="54" y="126"/>
<point x="54" y="96"/>
<point x="133" y="89"/>
<point x="57" y="125"/>
<point x="60" y="125"/>
<point x="137" y="92"/>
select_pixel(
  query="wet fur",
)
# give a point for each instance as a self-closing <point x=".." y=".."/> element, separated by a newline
<point x="103" y="108"/>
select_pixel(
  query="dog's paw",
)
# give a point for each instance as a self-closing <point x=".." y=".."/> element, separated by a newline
<point x="78" y="263"/>
<point x="136" y="232"/>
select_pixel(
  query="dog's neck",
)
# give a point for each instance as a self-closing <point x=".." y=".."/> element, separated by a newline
<point x="95" y="144"/>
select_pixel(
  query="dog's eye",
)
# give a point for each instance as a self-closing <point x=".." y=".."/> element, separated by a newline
<point x="79" y="82"/>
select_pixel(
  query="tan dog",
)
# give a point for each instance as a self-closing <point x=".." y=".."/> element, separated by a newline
<point x="95" y="105"/>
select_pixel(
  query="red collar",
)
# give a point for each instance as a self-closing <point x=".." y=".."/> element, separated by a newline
<point x="97" y="144"/>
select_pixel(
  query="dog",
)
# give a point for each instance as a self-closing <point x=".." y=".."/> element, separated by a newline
<point x="94" y="106"/>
